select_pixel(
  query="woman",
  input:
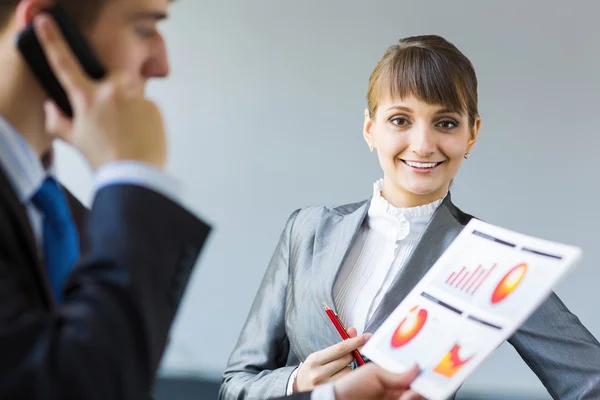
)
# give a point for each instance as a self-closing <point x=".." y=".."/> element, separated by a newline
<point x="364" y="258"/>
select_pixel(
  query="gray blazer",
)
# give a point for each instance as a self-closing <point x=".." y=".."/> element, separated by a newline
<point x="287" y="322"/>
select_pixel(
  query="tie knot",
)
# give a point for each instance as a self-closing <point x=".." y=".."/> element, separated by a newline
<point x="51" y="201"/>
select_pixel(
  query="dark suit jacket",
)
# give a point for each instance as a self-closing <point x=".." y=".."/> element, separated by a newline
<point x="106" y="340"/>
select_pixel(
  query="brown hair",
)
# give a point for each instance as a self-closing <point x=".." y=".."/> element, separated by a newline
<point x="84" y="11"/>
<point x="431" y="69"/>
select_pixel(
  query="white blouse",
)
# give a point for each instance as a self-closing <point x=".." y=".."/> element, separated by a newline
<point x="385" y="241"/>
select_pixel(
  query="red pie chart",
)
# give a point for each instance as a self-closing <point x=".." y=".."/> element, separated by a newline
<point x="509" y="283"/>
<point x="409" y="327"/>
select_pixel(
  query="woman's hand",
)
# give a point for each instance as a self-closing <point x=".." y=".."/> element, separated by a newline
<point x="329" y="364"/>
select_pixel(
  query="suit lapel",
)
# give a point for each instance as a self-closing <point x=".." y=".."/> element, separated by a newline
<point x="79" y="214"/>
<point x="24" y="232"/>
<point x="440" y="232"/>
<point x="334" y="236"/>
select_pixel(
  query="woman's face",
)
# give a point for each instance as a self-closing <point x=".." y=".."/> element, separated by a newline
<point x="420" y="148"/>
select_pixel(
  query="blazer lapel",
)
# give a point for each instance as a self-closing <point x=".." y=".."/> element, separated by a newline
<point x="334" y="236"/>
<point x="443" y="228"/>
<point x="25" y="233"/>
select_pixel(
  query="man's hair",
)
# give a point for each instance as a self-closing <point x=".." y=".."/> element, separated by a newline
<point x="83" y="11"/>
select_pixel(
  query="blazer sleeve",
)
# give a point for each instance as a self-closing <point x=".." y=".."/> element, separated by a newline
<point x="560" y="351"/>
<point x="256" y="367"/>
<point x="107" y="338"/>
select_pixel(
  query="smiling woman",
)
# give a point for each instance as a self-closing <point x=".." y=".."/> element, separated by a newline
<point x="420" y="147"/>
<point x="364" y="258"/>
<point x="421" y="117"/>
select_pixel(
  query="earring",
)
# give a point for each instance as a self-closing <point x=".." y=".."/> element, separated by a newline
<point x="467" y="154"/>
<point x="371" y="147"/>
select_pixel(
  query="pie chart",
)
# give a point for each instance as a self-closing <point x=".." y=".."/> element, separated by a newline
<point x="509" y="283"/>
<point x="410" y="327"/>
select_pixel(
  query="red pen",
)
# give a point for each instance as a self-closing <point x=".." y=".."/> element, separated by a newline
<point x="342" y="331"/>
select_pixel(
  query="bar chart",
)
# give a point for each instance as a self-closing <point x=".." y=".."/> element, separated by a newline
<point x="468" y="280"/>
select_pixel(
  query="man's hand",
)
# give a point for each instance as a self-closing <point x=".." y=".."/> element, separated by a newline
<point x="112" y="119"/>
<point x="371" y="382"/>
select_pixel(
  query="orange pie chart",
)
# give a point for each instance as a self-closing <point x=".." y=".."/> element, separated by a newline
<point x="509" y="283"/>
<point x="409" y="327"/>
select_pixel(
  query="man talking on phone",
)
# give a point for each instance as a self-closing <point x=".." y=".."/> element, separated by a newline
<point x="87" y="297"/>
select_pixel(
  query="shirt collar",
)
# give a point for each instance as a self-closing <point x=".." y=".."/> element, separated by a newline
<point x="396" y="223"/>
<point x="20" y="162"/>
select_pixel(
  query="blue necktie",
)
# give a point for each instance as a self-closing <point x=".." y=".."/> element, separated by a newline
<point x="61" y="242"/>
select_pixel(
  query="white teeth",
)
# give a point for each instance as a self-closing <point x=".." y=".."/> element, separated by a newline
<point x="421" y="165"/>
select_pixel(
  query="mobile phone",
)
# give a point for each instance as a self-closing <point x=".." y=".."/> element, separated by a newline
<point x="31" y="50"/>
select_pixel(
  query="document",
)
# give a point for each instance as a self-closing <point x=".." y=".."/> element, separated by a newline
<point x="484" y="286"/>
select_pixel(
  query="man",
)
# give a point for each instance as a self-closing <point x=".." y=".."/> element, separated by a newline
<point x="101" y="333"/>
<point x="102" y="337"/>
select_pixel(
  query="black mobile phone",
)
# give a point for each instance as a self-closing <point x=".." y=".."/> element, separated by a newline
<point x="29" y="46"/>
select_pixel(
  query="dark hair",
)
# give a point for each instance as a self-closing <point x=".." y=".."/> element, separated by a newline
<point x="431" y="69"/>
<point x="84" y="11"/>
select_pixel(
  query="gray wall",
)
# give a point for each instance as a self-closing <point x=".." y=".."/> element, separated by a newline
<point x="265" y="113"/>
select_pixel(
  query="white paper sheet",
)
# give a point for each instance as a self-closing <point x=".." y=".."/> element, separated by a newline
<point x="475" y="296"/>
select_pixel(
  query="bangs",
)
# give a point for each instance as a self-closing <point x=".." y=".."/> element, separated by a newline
<point x="424" y="74"/>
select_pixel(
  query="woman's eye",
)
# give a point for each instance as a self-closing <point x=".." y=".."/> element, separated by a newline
<point x="447" y="124"/>
<point x="400" y="121"/>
